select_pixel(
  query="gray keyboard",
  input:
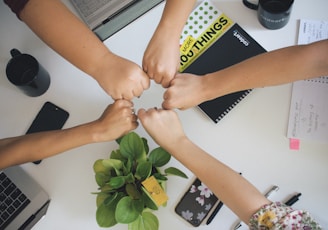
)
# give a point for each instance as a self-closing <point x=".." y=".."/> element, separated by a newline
<point x="12" y="200"/>
<point x="89" y="7"/>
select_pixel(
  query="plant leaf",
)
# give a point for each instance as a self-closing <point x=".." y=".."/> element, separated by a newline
<point x="132" y="146"/>
<point x="143" y="170"/>
<point x="106" y="188"/>
<point x="127" y="167"/>
<point x="176" y="172"/>
<point x="98" y="167"/>
<point x="110" y="198"/>
<point x="118" y="140"/>
<point x="116" y="154"/>
<point x="146" y="221"/>
<point x="112" y="163"/>
<point x="100" y="198"/>
<point x="132" y="191"/>
<point x="159" y="176"/>
<point x="116" y="182"/>
<point x="115" y="164"/>
<point x="129" y="178"/>
<point x="159" y="157"/>
<point x="128" y="210"/>
<point x="105" y="216"/>
<point x="101" y="178"/>
<point x="148" y="200"/>
<point x="145" y="142"/>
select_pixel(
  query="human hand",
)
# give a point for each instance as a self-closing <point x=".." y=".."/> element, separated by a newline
<point x="117" y="119"/>
<point x="185" y="91"/>
<point x="121" y="78"/>
<point x="163" y="126"/>
<point x="161" y="58"/>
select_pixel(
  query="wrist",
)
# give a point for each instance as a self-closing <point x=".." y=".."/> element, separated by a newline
<point x="215" y="85"/>
<point x="102" y="65"/>
<point x="87" y="133"/>
<point x="210" y="87"/>
<point x="177" y="146"/>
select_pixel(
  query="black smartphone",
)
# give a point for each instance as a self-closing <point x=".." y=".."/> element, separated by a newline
<point x="50" y="117"/>
<point x="196" y="203"/>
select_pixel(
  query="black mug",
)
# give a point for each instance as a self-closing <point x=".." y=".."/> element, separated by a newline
<point x="272" y="14"/>
<point x="25" y="72"/>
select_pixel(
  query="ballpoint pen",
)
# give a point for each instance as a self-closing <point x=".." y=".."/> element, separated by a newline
<point x="273" y="189"/>
<point x="293" y="199"/>
<point x="216" y="210"/>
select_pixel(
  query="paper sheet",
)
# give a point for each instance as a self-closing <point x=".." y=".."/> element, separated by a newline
<point x="308" y="118"/>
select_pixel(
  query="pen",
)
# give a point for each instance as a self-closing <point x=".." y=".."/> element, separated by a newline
<point x="273" y="189"/>
<point x="293" y="199"/>
<point x="216" y="210"/>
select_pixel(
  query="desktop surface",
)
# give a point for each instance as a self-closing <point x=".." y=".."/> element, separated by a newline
<point x="251" y="139"/>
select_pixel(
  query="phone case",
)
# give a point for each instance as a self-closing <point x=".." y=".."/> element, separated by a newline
<point x="196" y="203"/>
<point x="50" y="117"/>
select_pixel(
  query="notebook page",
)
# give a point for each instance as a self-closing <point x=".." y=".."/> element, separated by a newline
<point x="308" y="117"/>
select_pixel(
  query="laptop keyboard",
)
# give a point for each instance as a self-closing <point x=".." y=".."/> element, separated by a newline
<point x="88" y="7"/>
<point x="12" y="200"/>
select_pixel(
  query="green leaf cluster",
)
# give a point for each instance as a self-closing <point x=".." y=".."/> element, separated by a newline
<point x="121" y="197"/>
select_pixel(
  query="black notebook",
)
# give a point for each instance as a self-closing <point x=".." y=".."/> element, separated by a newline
<point x="234" y="46"/>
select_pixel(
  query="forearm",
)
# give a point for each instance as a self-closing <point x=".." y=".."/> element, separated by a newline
<point x="36" y="146"/>
<point x="65" y="33"/>
<point x="272" y="68"/>
<point x="175" y="15"/>
<point x="234" y="190"/>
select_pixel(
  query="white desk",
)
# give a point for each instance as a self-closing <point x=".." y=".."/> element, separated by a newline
<point x="251" y="139"/>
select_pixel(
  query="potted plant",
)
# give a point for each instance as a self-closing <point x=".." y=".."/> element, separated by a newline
<point x="124" y="195"/>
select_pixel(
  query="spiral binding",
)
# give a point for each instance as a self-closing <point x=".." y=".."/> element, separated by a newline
<point x="234" y="104"/>
<point x="319" y="80"/>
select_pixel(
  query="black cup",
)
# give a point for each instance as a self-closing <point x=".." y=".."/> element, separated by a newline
<point x="25" y="72"/>
<point x="272" y="14"/>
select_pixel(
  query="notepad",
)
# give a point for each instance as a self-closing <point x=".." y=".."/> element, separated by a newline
<point x="220" y="43"/>
<point x="308" y="116"/>
<point x="309" y="110"/>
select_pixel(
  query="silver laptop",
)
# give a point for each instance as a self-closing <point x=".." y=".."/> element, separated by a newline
<point x="22" y="200"/>
<point x="106" y="17"/>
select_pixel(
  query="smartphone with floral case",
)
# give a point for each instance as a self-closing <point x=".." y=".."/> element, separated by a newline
<point x="196" y="203"/>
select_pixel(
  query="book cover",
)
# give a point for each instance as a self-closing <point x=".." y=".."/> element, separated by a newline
<point x="230" y="47"/>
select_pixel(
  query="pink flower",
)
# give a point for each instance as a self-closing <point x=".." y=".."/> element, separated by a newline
<point x="205" y="191"/>
<point x="200" y="200"/>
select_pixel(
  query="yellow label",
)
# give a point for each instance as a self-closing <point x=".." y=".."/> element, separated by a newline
<point x="187" y="44"/>
<point x="204" y="41"/>
<point x="155" y="190"/>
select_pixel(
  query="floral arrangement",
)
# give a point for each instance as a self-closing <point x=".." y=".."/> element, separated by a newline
<point x="123" y="195"/>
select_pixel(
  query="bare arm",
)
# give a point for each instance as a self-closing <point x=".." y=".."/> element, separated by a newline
<point x="272" y="68"/>
<point x="116" y="120"/>
<point x="161" y="58"/>
<point x="67" y="35"/>
<point x="234" y="191"/>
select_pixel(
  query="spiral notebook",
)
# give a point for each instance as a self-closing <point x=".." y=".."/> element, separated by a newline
<point x="219" y="43"/>
<point x="308" y="115"/>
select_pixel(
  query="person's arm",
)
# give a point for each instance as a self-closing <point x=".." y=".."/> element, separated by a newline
<point x="61" y="30"/>
<point x="234" y="190"/>
<point x="117" y="120"/>
<point x="272" y="68"/>
<point x="161" y="58"/>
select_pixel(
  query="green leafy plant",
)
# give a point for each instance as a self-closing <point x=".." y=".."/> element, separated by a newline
<point x="122" y="198"/>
